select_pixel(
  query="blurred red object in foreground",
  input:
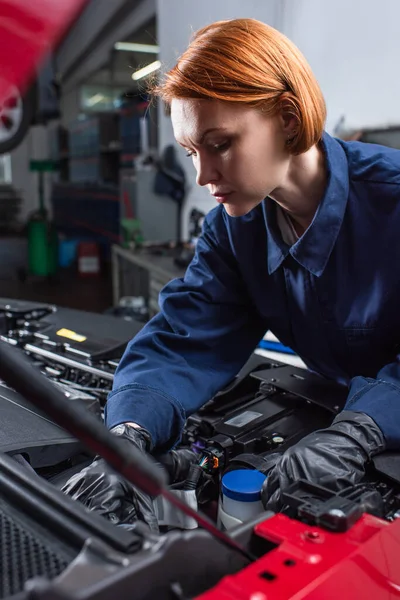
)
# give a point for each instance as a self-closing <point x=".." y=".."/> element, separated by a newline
<point x="29" y="31"/>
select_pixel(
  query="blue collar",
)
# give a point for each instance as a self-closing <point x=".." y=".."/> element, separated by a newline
<point x="314" y="247"/>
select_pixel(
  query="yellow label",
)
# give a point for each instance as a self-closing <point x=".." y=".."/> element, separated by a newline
<point x="71" y="335"/>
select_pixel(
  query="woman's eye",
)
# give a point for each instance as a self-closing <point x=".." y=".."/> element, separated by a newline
<point x="221" y="147"/>
<point x="213" y="147"/>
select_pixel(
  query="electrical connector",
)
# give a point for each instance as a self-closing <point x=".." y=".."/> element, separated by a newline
<point x="213" y="460"/>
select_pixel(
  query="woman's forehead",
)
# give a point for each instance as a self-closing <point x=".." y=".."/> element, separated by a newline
<point x="193" y="118"/>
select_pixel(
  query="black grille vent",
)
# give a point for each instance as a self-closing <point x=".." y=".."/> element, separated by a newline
<point x="26" y="551"/>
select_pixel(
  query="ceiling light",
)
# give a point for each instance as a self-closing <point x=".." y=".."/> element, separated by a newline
<point x="95" y="99"/>
<point x="131" y="47"/>
<point x="146" y="70"/>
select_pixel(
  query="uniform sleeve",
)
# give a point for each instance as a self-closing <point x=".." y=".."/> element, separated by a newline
<point x="380" y="399"/>
<point x="205" y="332"/>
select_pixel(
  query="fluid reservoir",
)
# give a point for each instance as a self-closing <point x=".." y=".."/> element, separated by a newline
<point x="240" y="500"/>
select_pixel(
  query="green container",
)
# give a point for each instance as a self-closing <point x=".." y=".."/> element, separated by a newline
<point x="42" y="247"/>
<point x="131" y="232"/>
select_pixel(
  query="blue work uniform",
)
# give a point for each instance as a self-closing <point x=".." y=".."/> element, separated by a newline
<point x="333" y="296"/>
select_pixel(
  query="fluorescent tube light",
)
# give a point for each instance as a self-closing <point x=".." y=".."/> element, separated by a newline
<point x="95" y="99"/>
<point x="132" y="47"/>
<point x="146" y="70"/>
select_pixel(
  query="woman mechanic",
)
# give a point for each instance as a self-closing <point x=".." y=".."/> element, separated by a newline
<point x="304" y="241"/>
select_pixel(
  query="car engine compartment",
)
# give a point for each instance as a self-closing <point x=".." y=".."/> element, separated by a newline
<point x="267" y="408"/>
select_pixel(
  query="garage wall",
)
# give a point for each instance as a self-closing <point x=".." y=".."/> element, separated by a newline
<point x="353" y="48"/>
<point x="176" y="21"/>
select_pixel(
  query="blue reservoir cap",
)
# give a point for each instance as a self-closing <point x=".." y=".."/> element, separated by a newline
<point x="243" y="485"/>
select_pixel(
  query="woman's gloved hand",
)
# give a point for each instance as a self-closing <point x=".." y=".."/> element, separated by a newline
<point x="104" y="491"/>
<point x="334" y="457"/>
<point x="177" y="463"/>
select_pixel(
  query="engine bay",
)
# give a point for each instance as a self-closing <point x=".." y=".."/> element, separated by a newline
<point x="267" y="408"/>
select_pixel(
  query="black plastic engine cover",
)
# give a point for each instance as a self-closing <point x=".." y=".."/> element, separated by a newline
<point x="25" y="430"/>
<point x="254" y="416"/>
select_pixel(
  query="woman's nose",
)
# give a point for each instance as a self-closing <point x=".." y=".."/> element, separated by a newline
<point x="206" y="172"/>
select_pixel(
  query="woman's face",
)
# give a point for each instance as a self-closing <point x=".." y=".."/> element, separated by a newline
<point x="238" y="153"/>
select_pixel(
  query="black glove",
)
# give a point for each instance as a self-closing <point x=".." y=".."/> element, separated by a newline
<point x="103" y="490"/>
<point x="334" y="457"/>
<point x="177" y="463"/>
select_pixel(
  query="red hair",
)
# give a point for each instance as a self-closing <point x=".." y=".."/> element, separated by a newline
<point x="246" y="61"/>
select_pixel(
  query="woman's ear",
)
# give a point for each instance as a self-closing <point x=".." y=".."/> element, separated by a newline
<point x="289" y="114"/>
<point x="288" y="123"/>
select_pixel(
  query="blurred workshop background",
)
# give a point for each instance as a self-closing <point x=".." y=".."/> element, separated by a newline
<point x="98" y="204"/>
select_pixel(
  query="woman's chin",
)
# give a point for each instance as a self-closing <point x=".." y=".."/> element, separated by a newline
<point x="239" y="210"/>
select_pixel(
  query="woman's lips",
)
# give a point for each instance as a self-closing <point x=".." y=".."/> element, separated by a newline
<point x="221" y="198"/>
